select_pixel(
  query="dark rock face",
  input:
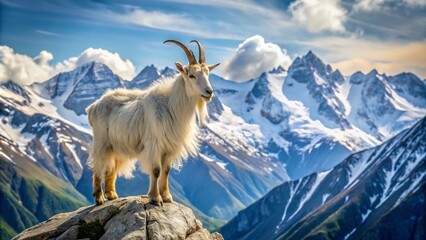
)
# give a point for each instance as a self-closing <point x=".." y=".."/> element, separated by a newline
<point x="376" y="97"/>
<point x="308" y="70"/>
<point x="260" y="89"/>
<point x="12" y="86"/>
<point x="215" y="108"/>
<point x="357" y="78"/>
<point x="77" y="89"/>
<point x="125" y="218"/>
<point x="364" y="197"/>
<point x="98" y="79"/>
<point x="410" y="87"/>
<point x="147" y="76"/>
<point x="407" y="220"/>
<point x="56" y="146"/>
<point x="168" y="72"/>
<point x="273" y="110"/>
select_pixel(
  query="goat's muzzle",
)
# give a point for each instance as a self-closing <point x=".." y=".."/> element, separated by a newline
<point x="208" y="94"/>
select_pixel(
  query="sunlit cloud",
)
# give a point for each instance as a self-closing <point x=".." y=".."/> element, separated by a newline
<point x="319" y="15"/>
<point x="252" y="57"/>
<point x="368" y="5"/>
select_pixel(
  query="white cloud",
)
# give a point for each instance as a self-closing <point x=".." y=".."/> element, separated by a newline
<point x="178" y="22"/>
<point x="156" y="19"/>
<point x="319" y="15"/>
<point x="123" y="68"/>
<point x="415" y="3"/>
<point x="375" y="5"/>
<point x="368" y="5"/>
<point x="253" y="57"/>
<point x="25" y="70"/>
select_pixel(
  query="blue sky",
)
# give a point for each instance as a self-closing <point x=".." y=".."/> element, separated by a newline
<point x="351" y="35"/>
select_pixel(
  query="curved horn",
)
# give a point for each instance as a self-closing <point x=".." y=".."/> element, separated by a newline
<point x="188" y="52"/>
<point x="202" y="55"/>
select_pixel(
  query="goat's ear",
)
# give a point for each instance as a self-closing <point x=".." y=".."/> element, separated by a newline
<point x="213" y="66"/>
<point x="180" y="68"/>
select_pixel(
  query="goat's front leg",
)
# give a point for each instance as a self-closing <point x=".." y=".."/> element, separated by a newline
<point x="164" y="182"/>
<point x="110" y="178"/>
<point x="154" y="193"/>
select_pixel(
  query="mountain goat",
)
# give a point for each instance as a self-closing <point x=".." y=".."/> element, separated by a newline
<point x="157" y="126"/>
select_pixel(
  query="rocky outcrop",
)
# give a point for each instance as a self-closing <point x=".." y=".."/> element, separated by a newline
<point x="124" y="218"/>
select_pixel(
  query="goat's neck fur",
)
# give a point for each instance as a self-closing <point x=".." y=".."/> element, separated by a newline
<point x="184" y="107"/>
<point x="182" y="138"/>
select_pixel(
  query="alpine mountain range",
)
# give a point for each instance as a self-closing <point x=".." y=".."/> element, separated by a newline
<point x="337" y="144"/>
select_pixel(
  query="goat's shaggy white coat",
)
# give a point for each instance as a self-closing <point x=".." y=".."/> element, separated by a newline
<point x="153" y="125"/>
<point x="157" y="126"/>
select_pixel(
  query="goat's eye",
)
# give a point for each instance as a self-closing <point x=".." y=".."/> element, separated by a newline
<point x="191" y="76"/>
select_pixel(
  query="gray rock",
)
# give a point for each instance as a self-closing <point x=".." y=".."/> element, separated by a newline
<point x="124" y="218"/>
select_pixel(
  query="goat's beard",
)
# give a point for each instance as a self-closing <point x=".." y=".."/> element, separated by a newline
<point x="201" y="110"/>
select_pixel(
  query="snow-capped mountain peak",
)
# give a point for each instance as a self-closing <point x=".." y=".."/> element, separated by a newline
<point x="357" y="77"/>
<point x="148" y="75"/>
<point x="12" y="86"/>
<point x="149" y="72"/>
<point x="71" y="92"/>
<point x="372" y="188"/>
<point x="168" y="72"/>
<point x="278" y="69"/>
<point x="314" y="84"/>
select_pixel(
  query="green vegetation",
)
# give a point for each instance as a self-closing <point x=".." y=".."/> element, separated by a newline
<point x="92" y="230"/>
<point x="211" y="224"/>
<point x="30" y="195"/>
<point x="6" y="232"/>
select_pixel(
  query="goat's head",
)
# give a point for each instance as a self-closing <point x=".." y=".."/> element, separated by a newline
<point x="196" y="74"/>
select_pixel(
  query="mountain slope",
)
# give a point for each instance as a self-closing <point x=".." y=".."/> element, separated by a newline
<point x="71" y="92"/>
<point x="30" y="194"/>
<point x="281" y="128"/>
<point x="359" y="198"/>
<point x="41" y="157"/>
<point x="382" y="105"/>
<point x="311" y="117"/>
<point x="34" y="125"/>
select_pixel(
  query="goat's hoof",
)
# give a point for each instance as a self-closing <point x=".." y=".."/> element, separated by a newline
<point x="167" y="197"/>
<point x="99" y="200"/>
<point x="111" y="195"/>
<point x="156" y="200"/>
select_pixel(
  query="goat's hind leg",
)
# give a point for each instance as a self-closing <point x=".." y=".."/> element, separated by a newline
<point x="110" y="177"/>
<point x="152" y="166"/>
<point x="154" y="193"/>
<point x="97" y="190"/>
<point x="164" y="180"/>
<point x="101" y="157"/>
